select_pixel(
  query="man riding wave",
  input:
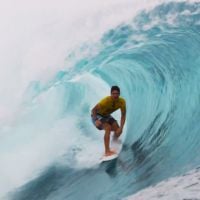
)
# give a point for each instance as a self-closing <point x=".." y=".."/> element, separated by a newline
<point x="102" y="119"/>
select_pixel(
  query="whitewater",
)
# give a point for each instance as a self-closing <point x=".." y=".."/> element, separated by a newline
<point x="59" y="58"/>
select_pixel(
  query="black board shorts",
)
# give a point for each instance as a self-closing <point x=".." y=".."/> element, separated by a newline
<point x="104" y="119"/>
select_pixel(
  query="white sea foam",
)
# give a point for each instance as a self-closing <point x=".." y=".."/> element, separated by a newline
<point x="176" y="188"/>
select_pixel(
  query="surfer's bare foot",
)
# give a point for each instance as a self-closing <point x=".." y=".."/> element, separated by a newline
<point x="110" y="153"/>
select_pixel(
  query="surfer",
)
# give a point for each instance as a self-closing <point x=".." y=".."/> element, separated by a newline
<point x="102" y="119"/>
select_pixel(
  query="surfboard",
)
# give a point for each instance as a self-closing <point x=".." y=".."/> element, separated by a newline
<point x="107" y="158"/>
<point x="116" y="146"/>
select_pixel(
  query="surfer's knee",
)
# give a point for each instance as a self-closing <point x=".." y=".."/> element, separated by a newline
<point x="116" y="135"/>
<point x="118" y="132"/>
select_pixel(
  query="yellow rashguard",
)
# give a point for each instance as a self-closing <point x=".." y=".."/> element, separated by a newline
<point x="108" y="105"/>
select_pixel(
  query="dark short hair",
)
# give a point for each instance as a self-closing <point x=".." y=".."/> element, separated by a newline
<point x="114" y="87"/>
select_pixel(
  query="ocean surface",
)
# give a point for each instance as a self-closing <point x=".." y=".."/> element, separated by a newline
<point x="59" y="58"/>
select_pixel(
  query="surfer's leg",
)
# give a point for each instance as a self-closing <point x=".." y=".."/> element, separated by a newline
<point x="115" y="128"/>
<point x="107" y="128"/>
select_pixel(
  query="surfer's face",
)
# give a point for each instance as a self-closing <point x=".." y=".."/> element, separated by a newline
<point x="115" y="94"/>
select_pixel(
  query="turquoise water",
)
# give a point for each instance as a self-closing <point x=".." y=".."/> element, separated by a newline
<point x="155" y="59"/>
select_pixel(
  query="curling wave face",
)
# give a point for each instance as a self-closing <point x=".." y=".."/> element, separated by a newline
<point x="155" y="60"/>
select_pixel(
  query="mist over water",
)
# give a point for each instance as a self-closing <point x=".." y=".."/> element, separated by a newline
<point x="59" y="59"/>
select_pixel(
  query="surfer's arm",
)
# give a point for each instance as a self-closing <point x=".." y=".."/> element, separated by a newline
<point x="123" y="119"/>
<point x="123" y="115"/>
<point x="94" y="111"/>
<point x="122" y="122"/>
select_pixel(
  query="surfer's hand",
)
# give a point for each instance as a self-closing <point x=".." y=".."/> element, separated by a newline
<point x="98" y="123"/>
<point x="118" y="131"/>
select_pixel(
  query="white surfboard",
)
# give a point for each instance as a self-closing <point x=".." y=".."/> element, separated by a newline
<point x="116" y="146"/>
<point x="107" y="158"/>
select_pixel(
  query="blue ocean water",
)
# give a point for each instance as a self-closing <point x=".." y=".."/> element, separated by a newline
<point x="155" y="59"/>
